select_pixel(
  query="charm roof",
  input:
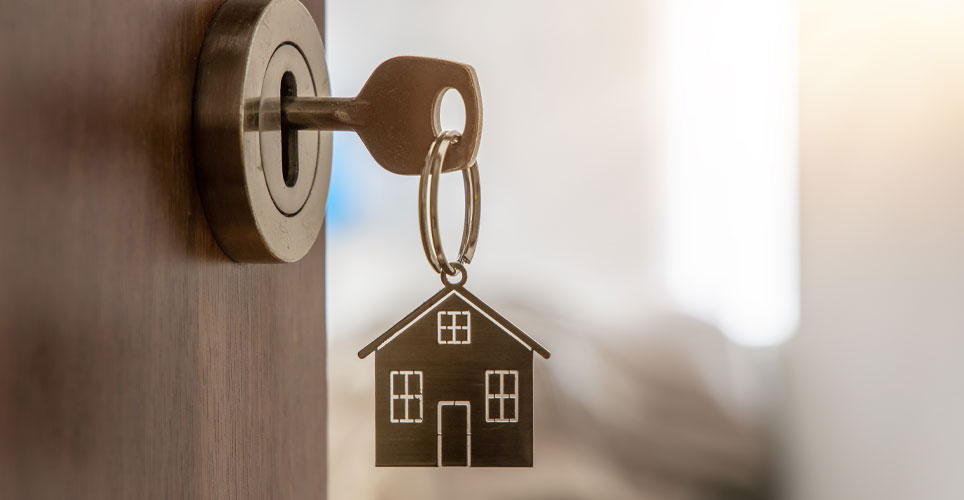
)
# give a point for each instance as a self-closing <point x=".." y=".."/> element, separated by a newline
<point x="469" y="299"/>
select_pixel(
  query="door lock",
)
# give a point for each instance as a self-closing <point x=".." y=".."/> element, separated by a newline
<point x="263" y="118"/>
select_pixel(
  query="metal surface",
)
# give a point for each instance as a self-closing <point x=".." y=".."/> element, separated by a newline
<point x="263" y="120"/>
<point x="396" y="114"/>
<point x="289" y="189"/>
<point x="428" y="205"/>
<point x="460" y="271"/>
<point x="454" y="350"/>
<point x="238" y="149"/>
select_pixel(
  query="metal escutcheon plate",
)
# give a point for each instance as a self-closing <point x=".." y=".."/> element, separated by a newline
<point x="257" y="213"/>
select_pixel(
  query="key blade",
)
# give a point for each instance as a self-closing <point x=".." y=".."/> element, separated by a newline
<point x="403" y="95"/>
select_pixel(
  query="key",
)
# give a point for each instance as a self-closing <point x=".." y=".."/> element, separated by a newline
<point x="396" y="114"/>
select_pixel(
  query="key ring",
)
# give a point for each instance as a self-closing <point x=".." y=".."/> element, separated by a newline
<point x="428" y="207"/>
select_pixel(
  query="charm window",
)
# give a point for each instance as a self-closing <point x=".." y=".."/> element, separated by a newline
<point x="454" y="327"/>
<point x="502" y="396"/>
<point x="406" y="390"/>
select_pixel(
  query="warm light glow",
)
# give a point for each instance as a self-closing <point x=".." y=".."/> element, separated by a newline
<point x="731" y="194"/>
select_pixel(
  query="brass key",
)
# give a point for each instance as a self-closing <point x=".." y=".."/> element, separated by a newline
<point x="396" y="114"/>
<point x="263" y="116"/>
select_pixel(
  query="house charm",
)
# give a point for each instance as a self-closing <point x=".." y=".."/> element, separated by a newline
<point x="453" y="386"/>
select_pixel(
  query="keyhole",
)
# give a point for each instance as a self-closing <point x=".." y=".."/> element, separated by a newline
<point x="289" y="136"/>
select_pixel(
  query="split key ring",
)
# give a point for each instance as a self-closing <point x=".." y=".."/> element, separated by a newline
<point x="428" y="207"/>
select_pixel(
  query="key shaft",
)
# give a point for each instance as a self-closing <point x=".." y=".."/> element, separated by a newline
<point x="396" y="113"/>
<point x="324" y="113"/>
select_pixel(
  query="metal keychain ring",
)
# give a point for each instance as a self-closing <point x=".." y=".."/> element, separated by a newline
<point x="463" y="275"/>
<point x="428" y="207"/>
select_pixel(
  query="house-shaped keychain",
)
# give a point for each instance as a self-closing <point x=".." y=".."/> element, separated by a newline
<point x="453" y="386"/>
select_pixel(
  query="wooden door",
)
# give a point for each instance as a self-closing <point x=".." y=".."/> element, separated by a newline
<point x="136" y="360"/>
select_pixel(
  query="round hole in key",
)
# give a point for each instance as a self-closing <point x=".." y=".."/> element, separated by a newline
<point x="450" y="111"/>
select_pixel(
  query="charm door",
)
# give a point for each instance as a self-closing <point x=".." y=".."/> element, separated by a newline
<point x="454" y="433"/>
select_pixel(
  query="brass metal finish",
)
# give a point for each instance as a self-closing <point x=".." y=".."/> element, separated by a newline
<point x="289" y="199"/>
<point x="428" y="207"/>
<point x="263" y="119"/>
<point x="454" y="349"/>
<point x="254" y="214"/>
<point x="396" y="114"/>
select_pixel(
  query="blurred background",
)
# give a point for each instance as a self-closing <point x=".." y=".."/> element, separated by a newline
<point x="736" y="225"/>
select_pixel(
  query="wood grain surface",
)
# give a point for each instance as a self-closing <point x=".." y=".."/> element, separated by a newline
<point x="136" y="360"/>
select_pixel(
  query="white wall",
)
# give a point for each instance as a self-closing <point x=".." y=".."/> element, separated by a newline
<point x="636" y="161"/>
<point x="875" y="376"/>
<point x="567" y="161"/>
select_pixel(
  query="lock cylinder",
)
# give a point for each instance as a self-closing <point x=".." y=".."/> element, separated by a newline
<point x="263" y="119"/>
<point x="263" y="184"/>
